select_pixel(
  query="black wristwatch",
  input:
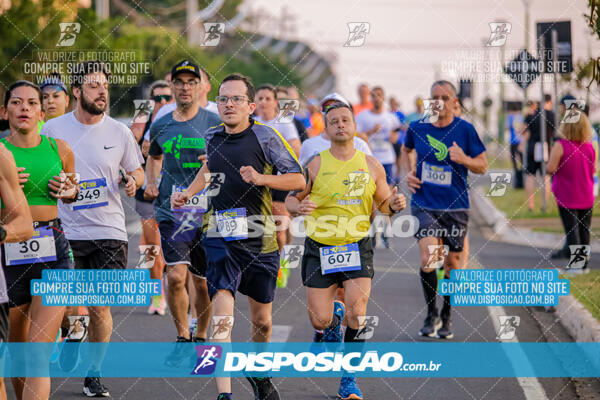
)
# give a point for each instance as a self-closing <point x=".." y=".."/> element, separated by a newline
<point x="2" y="234"/>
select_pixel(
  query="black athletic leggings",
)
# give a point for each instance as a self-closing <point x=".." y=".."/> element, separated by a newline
<point x="577" y="225"/>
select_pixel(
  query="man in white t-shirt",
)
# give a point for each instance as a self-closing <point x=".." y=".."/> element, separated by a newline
<point x="267" y="112"/>
<point x="381" y="127"/>
<point x="321" y="142"/>
<point x="95" y="223"/>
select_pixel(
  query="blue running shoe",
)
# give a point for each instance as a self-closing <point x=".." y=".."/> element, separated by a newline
<point x="349" y="389"/>
<point x="335" y="334"/>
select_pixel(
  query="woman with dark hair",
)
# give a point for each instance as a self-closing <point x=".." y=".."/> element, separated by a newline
<point x="48" y="176"/>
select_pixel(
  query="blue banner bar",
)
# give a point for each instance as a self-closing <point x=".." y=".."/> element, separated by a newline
<point x="311" y="360"/>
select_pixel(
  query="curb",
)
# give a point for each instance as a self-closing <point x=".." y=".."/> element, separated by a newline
<point x="578" y="321"/>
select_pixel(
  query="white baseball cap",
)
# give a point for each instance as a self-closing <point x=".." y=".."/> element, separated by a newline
<point x="335" y="97"/>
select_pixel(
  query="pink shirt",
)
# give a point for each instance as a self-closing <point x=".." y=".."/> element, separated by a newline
<point x="573" y="181"/>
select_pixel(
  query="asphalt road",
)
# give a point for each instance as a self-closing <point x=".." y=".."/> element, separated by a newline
<point x="396" y="298"/>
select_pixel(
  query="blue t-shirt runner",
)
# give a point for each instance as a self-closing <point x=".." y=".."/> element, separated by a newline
<point x="444" y="181"/>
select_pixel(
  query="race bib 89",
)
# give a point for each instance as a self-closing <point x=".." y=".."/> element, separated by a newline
<point x="232" y="224"/>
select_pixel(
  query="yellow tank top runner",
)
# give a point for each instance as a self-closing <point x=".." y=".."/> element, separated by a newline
<point x="343" y="192"/>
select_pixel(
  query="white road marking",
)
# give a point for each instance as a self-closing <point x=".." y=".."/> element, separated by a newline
<point x="532" y="389"/>
<point x="280" y="333"/>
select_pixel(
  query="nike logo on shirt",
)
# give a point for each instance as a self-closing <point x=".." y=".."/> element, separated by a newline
<point x="106" y="148"/>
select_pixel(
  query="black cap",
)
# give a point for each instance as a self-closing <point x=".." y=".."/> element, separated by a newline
<point x="185" y="66"/>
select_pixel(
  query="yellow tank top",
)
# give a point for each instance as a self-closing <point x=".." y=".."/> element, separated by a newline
<point x="343" y="192"/>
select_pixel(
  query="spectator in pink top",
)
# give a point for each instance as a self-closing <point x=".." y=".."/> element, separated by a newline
<point x="573" y="163"/>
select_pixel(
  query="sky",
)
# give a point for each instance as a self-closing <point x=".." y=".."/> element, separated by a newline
<point x="411" y="43"/>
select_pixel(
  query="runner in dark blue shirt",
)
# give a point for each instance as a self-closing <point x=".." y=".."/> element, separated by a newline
<point x="242" y="248"/>
<point x="446" y="148"/>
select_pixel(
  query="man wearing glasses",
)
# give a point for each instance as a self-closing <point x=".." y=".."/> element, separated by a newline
<point x="205" y="88"/>
<point x="178" y="147"/>
<point x="241" y="246"/>
<point x="447" y="148"/>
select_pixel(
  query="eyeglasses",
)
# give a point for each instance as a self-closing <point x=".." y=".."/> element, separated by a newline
<point x="179" y="84"/>
<point x="236" y="100"/>
<point x="159" y="98"/>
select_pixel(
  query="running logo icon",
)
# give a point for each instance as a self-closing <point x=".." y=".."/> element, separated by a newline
<point x="580" y="255"/>
<point x="215" y="180"/>
<point x="212" y="33"/>
<point x="358" y="33"/>
<point x="186" y="225"/>
<point x="366" y="326"/>
<point x="437" y="254"/>
<point x="287" y="110"/>
<point x="69" y="182"/>
<point x="431" y="110"/>
<point x="356" y="183"/>
<point x="148" y="254"/>
<point x="291" y="255"/>
<point x="221" y="327"/>
<point x="68" y="33"/>
<point x="508" y="326"/>
<point x="143" y="110"/>
<point x="573" y="111"/>
<point x="207" y="359"/>
<point x="500" y="182"/>
<point x="499" y="33"/>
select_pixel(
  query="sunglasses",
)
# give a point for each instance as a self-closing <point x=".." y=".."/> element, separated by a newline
<point x="161" y="97"/>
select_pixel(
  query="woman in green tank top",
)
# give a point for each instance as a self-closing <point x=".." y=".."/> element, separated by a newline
<point x="47" y="174"/>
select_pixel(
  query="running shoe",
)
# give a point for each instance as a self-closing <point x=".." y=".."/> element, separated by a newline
<point x="335" y="334"/>
<point x="263" y="388"/>
<point x="158" y="306"/>
<point x="92" y="387"/>
<point x="431" y="325"/>
<point x="180" y="353"/>
<point x="445" y="332"/>
<point x="224" y="396"/>
<point x="70" y="357"/>
<point x="349" y="389"/>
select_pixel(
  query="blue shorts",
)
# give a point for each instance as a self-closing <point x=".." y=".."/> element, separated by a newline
<point x="450" y="226"/>
<point x="185" y="248"/>
<point x="389" y="173"/>
<point x="236" y="269"/>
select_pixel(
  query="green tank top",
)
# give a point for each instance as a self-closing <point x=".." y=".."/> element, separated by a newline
<point x="41" y="162"/>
